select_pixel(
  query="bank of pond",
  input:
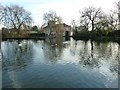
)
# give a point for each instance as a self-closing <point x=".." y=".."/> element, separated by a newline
<point x="99" y="36"/>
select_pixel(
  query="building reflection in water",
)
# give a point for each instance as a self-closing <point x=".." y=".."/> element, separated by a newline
<point x="52" y="49"/>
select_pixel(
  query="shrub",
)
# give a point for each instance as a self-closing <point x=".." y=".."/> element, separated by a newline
<point x="81" y="35"/>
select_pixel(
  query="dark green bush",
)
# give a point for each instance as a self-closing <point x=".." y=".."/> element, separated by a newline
<point x="37" y="35"/>
<point x="81" y="35"/>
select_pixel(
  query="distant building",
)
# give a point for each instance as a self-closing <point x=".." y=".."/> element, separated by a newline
<point x="53" y="29"/>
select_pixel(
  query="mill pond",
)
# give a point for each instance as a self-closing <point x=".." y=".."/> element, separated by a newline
<point x="59" y="63"/>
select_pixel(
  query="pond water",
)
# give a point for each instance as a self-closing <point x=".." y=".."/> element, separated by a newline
<point x="59" y="63"/>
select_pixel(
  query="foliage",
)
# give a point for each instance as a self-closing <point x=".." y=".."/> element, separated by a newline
<point x="14" y="34"/>
<point x="37" y="35"/>
<point x="93" y="34"/>
<point x="35" y="28"/>
<point x="81" y="35"/>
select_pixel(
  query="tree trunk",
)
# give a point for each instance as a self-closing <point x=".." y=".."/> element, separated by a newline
<point x="18" y="32"/>
<point x="91" y="49"/>
<point x="92" y="25"/>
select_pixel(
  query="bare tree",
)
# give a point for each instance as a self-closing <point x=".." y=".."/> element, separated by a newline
<point x="73" y="24"/>
<point x="113" y="20"/>
<point x="16" y="17"/>
<point x="92" y="14"/>
<point x="51" y="16"/>
<point x="84" y="22"/>
<point x="117" y="10"/>
<point x="51" y="19"/>
<point x="109" y="21"/>
<point x="1" y="13"/>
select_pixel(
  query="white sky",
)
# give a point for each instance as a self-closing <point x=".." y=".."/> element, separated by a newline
<point x="67" y="9"/>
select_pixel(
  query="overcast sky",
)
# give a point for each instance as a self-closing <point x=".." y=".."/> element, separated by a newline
<point x="67" y="9"/>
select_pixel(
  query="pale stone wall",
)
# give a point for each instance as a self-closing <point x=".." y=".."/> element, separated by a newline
<point x="56" y="29"/>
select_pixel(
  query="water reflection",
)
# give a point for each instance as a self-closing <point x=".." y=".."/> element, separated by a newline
<point x="52" y="49"/>
<point x="60" y="62"/>
<point x="16" y="54"/>
<point x="96" y="55"/>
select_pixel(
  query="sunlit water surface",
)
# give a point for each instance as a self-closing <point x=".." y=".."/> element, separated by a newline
<point x="59" y="64"/>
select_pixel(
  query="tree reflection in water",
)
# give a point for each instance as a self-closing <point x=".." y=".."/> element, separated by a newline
<point x="89" y="53"/>
<point x="96" y="55"/>
<point x="78" y="61"/>
<point x="16" y="54"/>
